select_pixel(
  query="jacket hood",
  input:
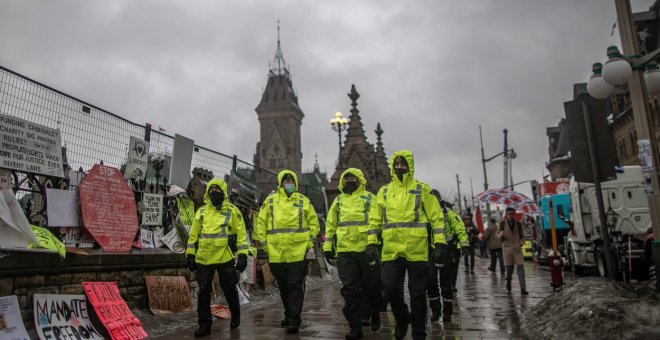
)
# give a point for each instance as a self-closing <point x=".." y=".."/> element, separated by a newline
<point x="408" y="156"/>
<point x="355" y="172"/>
<point x="219" y="182"/>
<point x="281" y="175"/>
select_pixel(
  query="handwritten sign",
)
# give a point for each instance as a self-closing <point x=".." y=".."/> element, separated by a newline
<point x="108" y="209"/>
<point x="63" y="317"/>
<point x="168" y="294"/>
<point x="153" y="209"/>
<point x="173" y="241"/>
<point x="30" y="147"/>
<point x="146" y="238"/>
<point x="112" y="311"/>
<point x="138" y="157"/>
<point x="11" y="322"/>
<point x="220" y="311"/>
<point x="47" y="240"/>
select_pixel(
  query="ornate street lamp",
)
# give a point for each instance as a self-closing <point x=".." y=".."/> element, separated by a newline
<point x="339" y="124"/>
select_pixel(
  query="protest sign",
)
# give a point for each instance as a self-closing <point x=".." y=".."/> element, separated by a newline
<point x="14" y="227"/>
<point x="251" y="271"/>
<point x="11" y="322"/>
<point x="62" y="208"/>
<point x="108" y="209"/>
<point x="6" y="180"/>
<point x="168" y="294"/>
<point x="158" y="237"/>
<point x="153" y="209"/>
<point x="63" y="317"/>
<point x="76" y="237"/>
<point x="112" y="311"/>
<point x="181" y="160"/>
<point x="30" y="147"/>
<point x="146" y="238"/>
<point x="173" y="241"/>
<point x="220" y="311"/>
<point x="47" y="241"/>
<point x="138" y="159"/>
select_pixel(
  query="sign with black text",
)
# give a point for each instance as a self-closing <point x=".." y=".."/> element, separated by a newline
<point x="138" y="159"/>
<point x="153" y="209"/>
<point x="30" y="147"/>
<point x="63" y="317"/>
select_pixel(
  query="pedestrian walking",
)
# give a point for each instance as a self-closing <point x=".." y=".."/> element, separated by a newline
<point x="473" y="238"/>
<point x="287" y="226"/>
<point x="512" y="234"/>
<point x="347" y="234"/>
<point x="456" y="238"/>
<point x="208" y="251"/>
<point x="494" y="246"/>
<point x="402" y="210"/>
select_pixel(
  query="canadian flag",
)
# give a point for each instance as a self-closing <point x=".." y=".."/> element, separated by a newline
<point x="161" y="129"/>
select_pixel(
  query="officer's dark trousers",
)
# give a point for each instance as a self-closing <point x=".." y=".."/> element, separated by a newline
<point x="291" y="282"/>
<point x="395" y="274"/>
<point x="360" y="282"/>
<point x="228" y="281"/>
<point x="469" y="256"/>
<point x="447" y="278"/>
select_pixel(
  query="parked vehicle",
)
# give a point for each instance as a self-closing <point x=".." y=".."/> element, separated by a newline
<point x="561" y="206"/>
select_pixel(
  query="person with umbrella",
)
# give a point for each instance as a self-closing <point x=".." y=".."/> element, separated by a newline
<point x="512" y="234"/>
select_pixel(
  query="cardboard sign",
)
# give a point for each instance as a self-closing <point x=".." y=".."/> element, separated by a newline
<point x="63" y="317"/>
<point x="153" y="209"/>
<point x="11" y="322"/>
<point x="220" y="311"/>
<point x="15" y="231"/>
<point x="112" y="310"/>
<point x="173" y="241"/>
<point x="268" y="276"/>
<point x="108" y="209"/>
<point x="168" y="294"/>
<point x="30" y="147"/>
<point x="138" y="159"/>
<point x="62" y="208"/>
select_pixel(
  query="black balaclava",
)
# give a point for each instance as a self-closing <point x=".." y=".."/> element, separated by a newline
<point x="350" y="187"/>
<point x="217" y="198"/>
<point x="400" y="172"/>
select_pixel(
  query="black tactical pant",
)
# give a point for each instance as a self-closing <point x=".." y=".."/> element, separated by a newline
<point x="291" y="282"/>
<point x="447" y="278"/>
<point x="360" y="282"/>
<point x="395" y="274"/>
<point x="469" y="256"/>
<point x="228" y="280"/>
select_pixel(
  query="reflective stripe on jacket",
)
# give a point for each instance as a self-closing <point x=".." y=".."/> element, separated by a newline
<point x="348" y="218"/>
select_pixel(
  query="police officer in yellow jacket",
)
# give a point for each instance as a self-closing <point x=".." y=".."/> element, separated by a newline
<point x="287" y="227"/>
<point x="208" y="251"/>
<point x="347" y="226"/>
<point x="402" y="210"/>
<point x="456" y="238"/>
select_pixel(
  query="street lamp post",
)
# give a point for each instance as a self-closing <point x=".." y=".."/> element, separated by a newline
<point x="339" y="124"/>
<point x="509" y="153"/>
<point x="619" y="70"/>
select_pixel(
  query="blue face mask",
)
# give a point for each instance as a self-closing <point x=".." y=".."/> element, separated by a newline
<point x="289" y="188"/>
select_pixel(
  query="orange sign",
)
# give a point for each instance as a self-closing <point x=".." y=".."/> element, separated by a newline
<point x="112" y="310"/>
<point x="168" y="294"/>
<point x="220" y="311"/>
<point x="108" y="209"/>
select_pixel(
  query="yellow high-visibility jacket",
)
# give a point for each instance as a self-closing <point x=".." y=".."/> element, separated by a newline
<point x="348" y="218"/>
<point x="211" y="228"/>
<point x="287" y="225"/>
<point x="455" y="230"/>
<point x="401" y="213"/>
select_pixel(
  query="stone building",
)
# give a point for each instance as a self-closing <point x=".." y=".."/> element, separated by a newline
<point x="357" y="152"/>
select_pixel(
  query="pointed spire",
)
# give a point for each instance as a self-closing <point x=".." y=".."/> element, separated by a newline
<point x="278" y="67"/>
<point x="355" y="127"/>
<point x="317" y="168"/>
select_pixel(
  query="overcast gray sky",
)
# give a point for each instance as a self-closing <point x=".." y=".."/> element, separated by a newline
<point x="429" y="71"/>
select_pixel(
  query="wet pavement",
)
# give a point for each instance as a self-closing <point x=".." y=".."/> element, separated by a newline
<point x="483" y="310"/>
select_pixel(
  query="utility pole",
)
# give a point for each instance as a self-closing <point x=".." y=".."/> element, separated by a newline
<point x="506" y="159"/>
<point x="458" y="184"/>
<point x="471" y="195"/>
<point x="483" y="163"/>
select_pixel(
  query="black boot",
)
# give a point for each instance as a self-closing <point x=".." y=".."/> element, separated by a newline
<point x="400" y="331"/>
<point x="235" y="322"/>
<point x="202" y="331"/>
<point x="284" y="323"/>
<point x="375" y="322"/>
<point x="435" y="316"/>
<point x="355" y="334"/>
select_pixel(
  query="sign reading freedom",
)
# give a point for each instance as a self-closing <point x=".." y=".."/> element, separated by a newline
<point x="113" y="312"/>
<point x="108" y="208"/>
<point x="63" y="317"/>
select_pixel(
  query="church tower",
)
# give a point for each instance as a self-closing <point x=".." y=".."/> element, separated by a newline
<point x="280" y="120"/>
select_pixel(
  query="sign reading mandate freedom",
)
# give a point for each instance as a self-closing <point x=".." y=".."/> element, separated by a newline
<point x="30" y="147"/>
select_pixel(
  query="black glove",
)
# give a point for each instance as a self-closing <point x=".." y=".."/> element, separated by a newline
<point x="241" y="262"/>
<point x="439" y="255"/>
<point x="372" y="254"/>
<point x="192" y="265"/>
<point x="330" y="255"/>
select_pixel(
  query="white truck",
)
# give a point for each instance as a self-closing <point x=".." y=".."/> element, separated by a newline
<point x="628" y="219"/>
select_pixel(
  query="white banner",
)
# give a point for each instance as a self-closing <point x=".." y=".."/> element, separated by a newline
<point x="63" y="316"/>
<point x="15" y="230"/>
<point x="138" y="159"/>
<point x="11" y="322"/>
<point x="153" y="209"/>
<point x="30" y="147"/>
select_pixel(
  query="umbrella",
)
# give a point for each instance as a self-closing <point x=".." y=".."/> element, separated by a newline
<point x="510" y="198"/>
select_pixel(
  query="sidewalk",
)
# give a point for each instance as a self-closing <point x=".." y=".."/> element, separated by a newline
<point x="485" y="310"/>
